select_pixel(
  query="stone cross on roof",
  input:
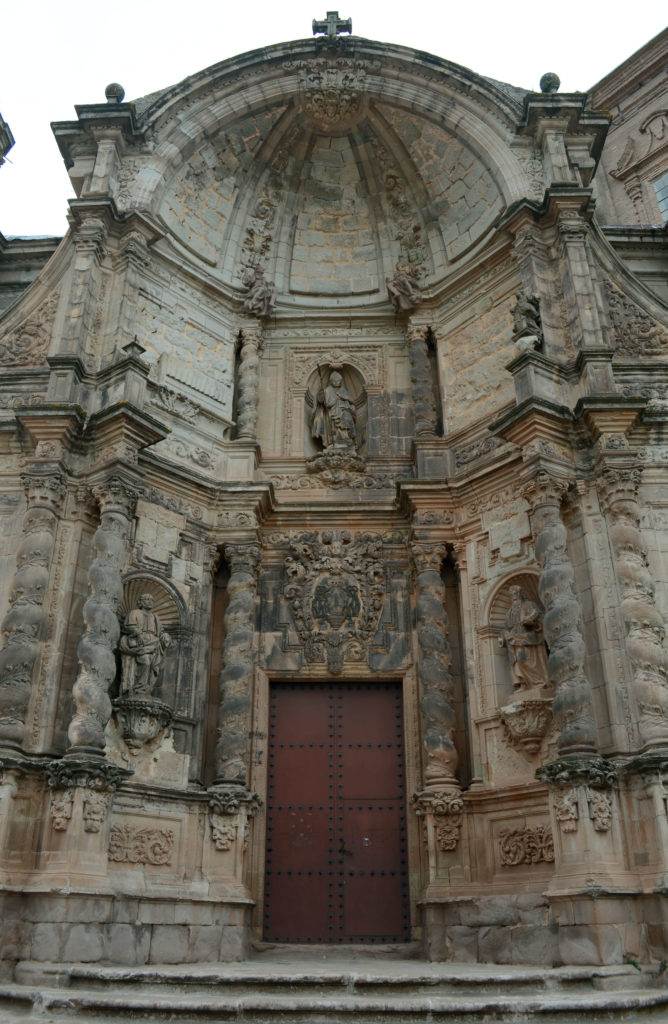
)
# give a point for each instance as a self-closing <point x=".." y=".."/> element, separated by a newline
<point x="332" y="25"/>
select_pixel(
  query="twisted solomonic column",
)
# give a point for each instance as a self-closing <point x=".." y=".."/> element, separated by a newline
<point x="22" y="625"/>
<point x="573" y="707"/>
<point x="440" y="801"/>
<point x="236" y="677"/>
<point x="645" y="628"/>
<point x="424" y="405"/>
<point x="249" y="365"/>
<point x="97" y="647"/>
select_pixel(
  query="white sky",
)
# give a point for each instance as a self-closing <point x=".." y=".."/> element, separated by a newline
<point x="56" y="53"/>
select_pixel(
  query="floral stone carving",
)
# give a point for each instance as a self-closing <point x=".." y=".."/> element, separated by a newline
<point x="527" y="722"/>
<point x="336" y="590"/>
<point x="141" y="845"/>
<point x="528" y="845"/>
<point x="447" y="809"/>
<point x="141" y="719"/>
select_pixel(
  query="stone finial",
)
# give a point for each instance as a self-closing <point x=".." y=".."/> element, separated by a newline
<point x="114" y="93"/>
<point x="550" y="82"/>
<point x="332" y="25"/>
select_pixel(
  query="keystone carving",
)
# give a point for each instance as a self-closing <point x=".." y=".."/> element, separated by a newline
<point x="22" y="625"/>
<point x="335" y="585"/>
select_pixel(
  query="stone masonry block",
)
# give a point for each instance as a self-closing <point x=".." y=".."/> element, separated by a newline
<point x="535" y="945"/>
<point x="128" y="944"/>
<point x="491" y="910"/>
<point x="169" y="944"/>
<point x="205" y="941"/>
<point x="48" y="941"/>
<point x="84" y="943"/>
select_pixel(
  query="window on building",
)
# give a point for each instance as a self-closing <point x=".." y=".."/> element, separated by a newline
<point x="661" y="190"/>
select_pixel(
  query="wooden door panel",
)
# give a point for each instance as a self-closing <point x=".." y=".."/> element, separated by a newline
<point x="336" y="863"/>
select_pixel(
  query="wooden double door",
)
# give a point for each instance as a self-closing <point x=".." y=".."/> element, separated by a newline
<point x="336" y="865"/>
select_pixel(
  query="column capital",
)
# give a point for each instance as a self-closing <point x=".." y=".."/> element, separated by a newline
<point x="243" y="557"/>
<point x="116" y="495"/>
<point x="44" y="489"/>
<point x="427" y="555"/>
<point x="542" y="488"/>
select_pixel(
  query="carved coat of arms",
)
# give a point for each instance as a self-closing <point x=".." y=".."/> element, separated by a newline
<point x="335" y="585"/>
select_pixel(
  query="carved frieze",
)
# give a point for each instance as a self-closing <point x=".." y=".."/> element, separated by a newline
<point x="335" y="585"/>
<point x="28" y="343"/>
<point x="636" y="332"/>
<point x="132" y="845"/>
<point x="529" y="845"/>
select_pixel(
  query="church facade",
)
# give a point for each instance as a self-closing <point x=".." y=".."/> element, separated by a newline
<point x="334" y="519"/>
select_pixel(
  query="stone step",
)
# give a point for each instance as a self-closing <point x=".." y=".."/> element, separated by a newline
<point x="119" y="1007"/>
<point x="295" y="991"/>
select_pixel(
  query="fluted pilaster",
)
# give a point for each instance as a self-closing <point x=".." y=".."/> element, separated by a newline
<point x="236" y="677"/>
<point x="645" y="628"/>
<point x="249" y="365"/>
<point x="96" y="650"/>
<point x="573" y="708"/>
<point x="424" y="405"/>
<point x="22" y="625"/>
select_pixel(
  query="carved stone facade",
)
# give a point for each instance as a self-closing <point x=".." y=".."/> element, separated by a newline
<point x="334" y="516"/>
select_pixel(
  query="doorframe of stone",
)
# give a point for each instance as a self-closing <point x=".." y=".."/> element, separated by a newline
<point x="417" y="866"/>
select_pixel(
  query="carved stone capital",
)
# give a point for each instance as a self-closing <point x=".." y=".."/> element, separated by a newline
<point x="594" y="772"/>
<point x="116" y="495"/>
<point x="618" y="484"/>
<point x="229" y="800"/>
<point x="85" y="772"/>
<point x="243" y="558"/>
<point x="44" y="490"/>
<point x="252" y="337"/>
<point x="427" y="555"/>
<point x="544" y="489"/>
<point x="447" y="809"/>
<point x="89" y="236"/>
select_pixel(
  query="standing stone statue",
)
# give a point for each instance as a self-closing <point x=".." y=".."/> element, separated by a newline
<point x="261" y="297"/>
<point x="528" y="328"/>
<point x="523" y="639"/>
<point x="143" y="644"/>
<point x="335" y="417"/>
<point x="403" y="290"/>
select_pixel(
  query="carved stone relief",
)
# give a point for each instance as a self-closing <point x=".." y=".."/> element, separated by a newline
<point x="28" y="343"/>
<point x="335" y="585"/>
<point x="636" y="332"/>
<point x="529" y="845"/>
<point x="132" y="845"/>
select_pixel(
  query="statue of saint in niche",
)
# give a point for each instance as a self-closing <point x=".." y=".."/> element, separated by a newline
<point x="523" y="639"/>
<point x="335" y="417"/>
<point x="142" y="646"/>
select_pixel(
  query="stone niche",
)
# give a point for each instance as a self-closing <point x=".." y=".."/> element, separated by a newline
<point x="144" y="714"/>
<point x="523" y="692"/>
<point x="326" y="439"/>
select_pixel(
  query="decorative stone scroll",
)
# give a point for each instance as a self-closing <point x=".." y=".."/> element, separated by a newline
<point x="230" y="807"/>
<point x="424" y="406"/>
<point x="573" y="707"/>
<point x="96" y="650"/>
<point x="236" y="678"/>
<point x="335" y="585"/>
<point x="95" y="780"/>
<point x="645" y="628"/>
<point x="447" y="810"/>
<point x="22" y="625"/>
<point x="252" y="343"/>
<point x="131" y="845"/>
<point x="529" y="845"/>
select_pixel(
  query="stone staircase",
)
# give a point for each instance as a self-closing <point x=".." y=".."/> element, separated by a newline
<point x="321" y="989"/>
